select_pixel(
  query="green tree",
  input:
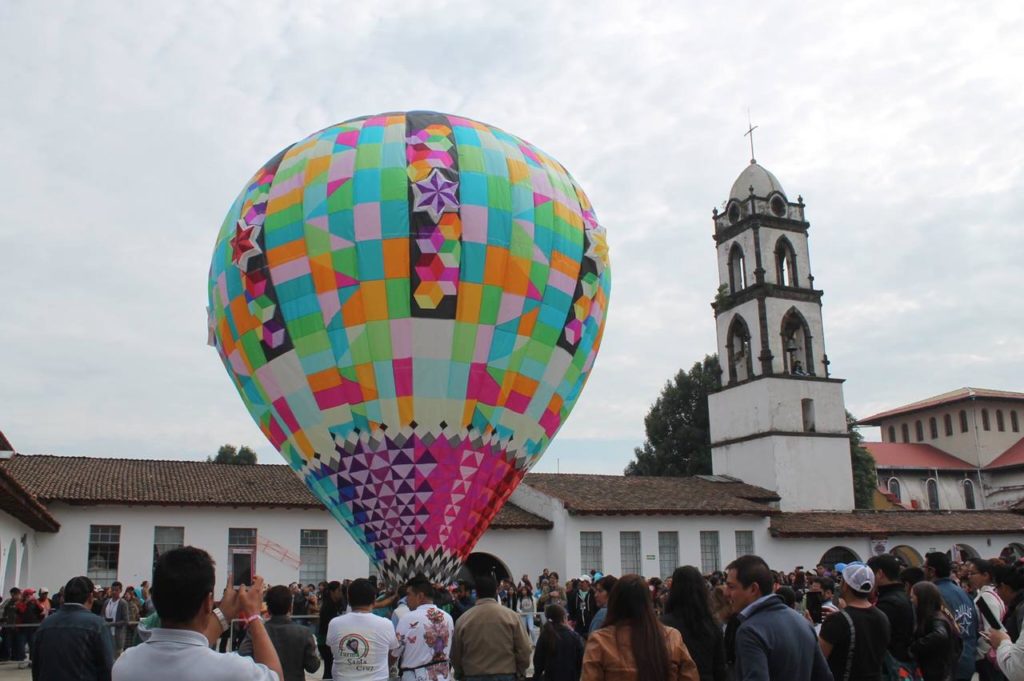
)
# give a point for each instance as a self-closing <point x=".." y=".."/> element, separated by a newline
<point x="230" y="454"/>
<point x="865" y="477"/>
<point x="677" y="426"/>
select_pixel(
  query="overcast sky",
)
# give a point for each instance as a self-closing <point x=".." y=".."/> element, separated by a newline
<point x="127" y="129"/>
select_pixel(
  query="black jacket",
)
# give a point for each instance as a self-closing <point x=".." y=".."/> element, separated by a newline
<point x="72" y="644"/>
<point x="936" y="650"/>
<point x="294" y="644"/>
<point x="558" y="655"/>
<point x="894" y="602"/>
<point x="580" y="615"/>
<point x="707" y="651"/>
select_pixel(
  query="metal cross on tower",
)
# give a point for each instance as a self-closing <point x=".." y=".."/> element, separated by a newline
<point x="750" y="131"/>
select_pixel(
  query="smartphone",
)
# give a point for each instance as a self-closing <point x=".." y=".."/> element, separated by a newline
<point x="814" y="605"/>
<point x="241" y="570"/>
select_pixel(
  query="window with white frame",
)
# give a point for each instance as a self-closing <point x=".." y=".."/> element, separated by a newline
<point x="591" y="551"/>
<point x="166" y="539"/>
<point x="710" y="553"/>
<point x="668" y="553"/>
<point x="313" y="554"/>
<point x="744" y="543"/>
<point x="629" y="548"/>
<point x="104" y="553"/>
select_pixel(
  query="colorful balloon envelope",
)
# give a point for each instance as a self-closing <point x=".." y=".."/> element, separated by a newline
<point x="409" y="305"/>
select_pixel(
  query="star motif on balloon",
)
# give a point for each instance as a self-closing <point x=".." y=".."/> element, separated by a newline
<point x="244" y="244"/>
<point x="597" y="247"/>
<point x="435" y="195"/>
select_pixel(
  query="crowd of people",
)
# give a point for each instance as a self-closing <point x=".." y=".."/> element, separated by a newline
<point x="855" y="622"/>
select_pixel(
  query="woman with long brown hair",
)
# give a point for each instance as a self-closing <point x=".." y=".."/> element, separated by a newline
<point x="936" y="644"/>
<point x="633" y="645"/>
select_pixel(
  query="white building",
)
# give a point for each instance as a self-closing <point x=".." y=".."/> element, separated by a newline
<point x="959" y="450"/>
<point x="778" y="423"/>
<point x="108" y="518"/>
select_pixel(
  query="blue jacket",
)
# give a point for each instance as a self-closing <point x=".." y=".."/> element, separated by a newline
<point x="72" y="644"/>
<point x="774" y="643"/>
<point x="962" y="607"/>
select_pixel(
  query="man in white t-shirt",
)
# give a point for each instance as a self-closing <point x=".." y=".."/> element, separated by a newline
<point x="360" y="641"/>
<point x="425" y="636"/>
<point x="180" y="649"/>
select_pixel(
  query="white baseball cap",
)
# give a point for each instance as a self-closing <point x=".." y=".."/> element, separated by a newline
<point x="859" y="577"/>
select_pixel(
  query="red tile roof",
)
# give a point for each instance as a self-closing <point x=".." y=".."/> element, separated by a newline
<point x="888" y="523"/>
<point x="1014" y="456"/>
<point x="918" y="455"/>
<point x="953" y="396"/>
<point x="638" y="495"/>
<point x="142" y="482"/>
<point x="23" y="505"/>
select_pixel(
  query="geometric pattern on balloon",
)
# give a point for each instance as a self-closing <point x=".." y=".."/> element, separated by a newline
<point x="409" y="305"/>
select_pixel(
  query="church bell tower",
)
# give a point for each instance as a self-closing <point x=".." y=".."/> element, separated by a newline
<point x="779" y="420"/>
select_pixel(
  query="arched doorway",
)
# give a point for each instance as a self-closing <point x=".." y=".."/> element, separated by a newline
<point x="1012" y="552"/>
<point x="10" y="572"/>
<point x="907" y="555"/>
<point x="484" y="564"/>
<point x="838" y="554"/>
<point x="966" y="551"/>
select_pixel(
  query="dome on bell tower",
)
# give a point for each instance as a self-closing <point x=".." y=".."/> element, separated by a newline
<point x="755" y="175"/>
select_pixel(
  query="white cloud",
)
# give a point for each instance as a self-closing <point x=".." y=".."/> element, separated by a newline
<point x="128" y="129"/>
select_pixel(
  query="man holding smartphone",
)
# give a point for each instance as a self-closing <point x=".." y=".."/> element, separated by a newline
<point x="179" y="650"/>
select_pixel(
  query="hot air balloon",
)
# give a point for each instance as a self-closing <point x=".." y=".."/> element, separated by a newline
<point x="409" y="305"/>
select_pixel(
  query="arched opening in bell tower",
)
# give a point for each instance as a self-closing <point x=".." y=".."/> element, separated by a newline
<point x="785" y="263"/>
<point x="737" y="269"/>
<point x="797" y="357"/>
<point x="741" y="364"/>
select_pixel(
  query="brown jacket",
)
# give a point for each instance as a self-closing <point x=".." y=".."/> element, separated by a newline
<point x="490" y="639"/>
<point x="608" y="656"/>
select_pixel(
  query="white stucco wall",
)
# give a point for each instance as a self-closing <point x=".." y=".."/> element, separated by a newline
<point x="63" y="555"/>
<point x="687" y="527"/>
<point x="809" y="473"/>
<point x="12" y="552"/>
<point x="949" y="484"/>
<point x="775" y="404"/>
<point x="977" y="446"/>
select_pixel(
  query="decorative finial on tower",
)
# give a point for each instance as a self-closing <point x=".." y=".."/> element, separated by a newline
<point x="750" y="131"/>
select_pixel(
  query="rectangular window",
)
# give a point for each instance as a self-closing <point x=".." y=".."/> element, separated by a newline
<point x="668" y="553"/>
<point x="710" y="555"/>
<point x="1000" y="423"/>
<point x="807" y="410"/>
<point x="166" y="539"/>
<point x="629" y="546"/>
<point x="104" y="552"/>
<point x="313" y="554"/>
<point x="242" y="554"/>
<point x="744" y="543"/>
<point x="591" y="551"/>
